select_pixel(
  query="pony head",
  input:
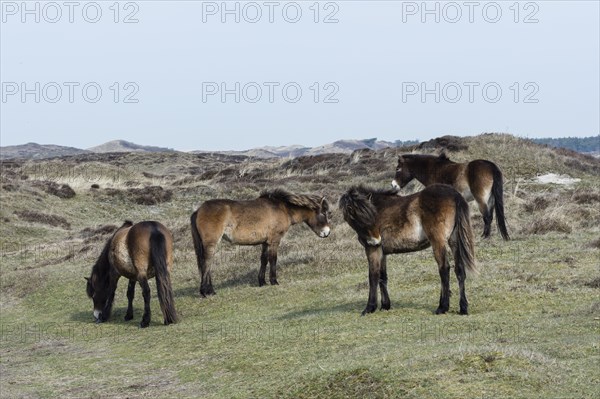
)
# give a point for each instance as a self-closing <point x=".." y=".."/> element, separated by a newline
<point x="99" y="296"/>
<point x="97" y="286"/>
<point x="403" y="173"/>
<point x="320" y="219"/>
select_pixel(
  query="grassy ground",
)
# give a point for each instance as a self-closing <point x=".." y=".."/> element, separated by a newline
<point x="533" y="330"/>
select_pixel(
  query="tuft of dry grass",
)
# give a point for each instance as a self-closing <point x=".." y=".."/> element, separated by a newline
<point x="448" y="143"/>
<point x="151" y="195"/>
<point x="91" y="234"/>
<point x="595" y="283"/>
<point x="537" y="204"/>
<point x="586" y="197"/>
<point x="60" y="190"/>
<point x="43" y="218"/>
<point x="546" y="225"/>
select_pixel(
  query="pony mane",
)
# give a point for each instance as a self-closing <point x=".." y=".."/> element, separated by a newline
<point x="102" y="266"/>
<point x="369" y="191"/>
<point x="310" y="201"/>
<point x="101" y="270"/>
<point x="357" y="208"/>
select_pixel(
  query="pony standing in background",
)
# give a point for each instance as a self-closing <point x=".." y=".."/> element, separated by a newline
<point x="480" y="180"/>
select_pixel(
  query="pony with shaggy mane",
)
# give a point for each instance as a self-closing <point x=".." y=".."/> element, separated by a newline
<point x="387" y="223"/>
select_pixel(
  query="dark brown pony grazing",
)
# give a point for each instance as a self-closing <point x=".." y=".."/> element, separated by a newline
<point x="137" y="252"/>
<point x="480" y="180"/>
<point x="387" y="223"/>
<point x="263" y="220"/>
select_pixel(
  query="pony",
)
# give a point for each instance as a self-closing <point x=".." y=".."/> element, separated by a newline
<point x="387" y="223"/>
<point x="261" y="221"/>
<point x="137" y="252"/>
<point x="480" y="180"/>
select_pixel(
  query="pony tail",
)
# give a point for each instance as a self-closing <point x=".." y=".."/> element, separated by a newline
<point x="498" y="193"/>
<point x="198" y="247"/>
<point x="464" y="253"/>
<point x="158" y="257"/>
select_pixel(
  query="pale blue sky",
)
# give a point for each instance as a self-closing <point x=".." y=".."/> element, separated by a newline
<point x="374" y="58"/>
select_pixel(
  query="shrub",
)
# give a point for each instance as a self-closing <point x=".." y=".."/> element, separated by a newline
<point x="546" y="225"/>
<point x="586" y="197"/>
<point x="53" y="188"/>
<point x="37" y="217"/>
<point x="150" y="195"/>
<point x="450" y="143"/>
<point x="538" y="204"/>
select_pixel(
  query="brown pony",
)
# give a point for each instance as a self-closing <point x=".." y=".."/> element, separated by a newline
<point x="480" y="180"/>
<point x="137" y="252"/>
<point x="387" y="223"/>
<point x="263" y="220"/>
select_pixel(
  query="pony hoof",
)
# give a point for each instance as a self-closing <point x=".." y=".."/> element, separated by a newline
<point x="128" y="317"/>
<point x="144" y="324"/>
<point x="441" y="311"/>
<point x="261" y="283"/>
<point x="274" y="282"/>
<point x="464" y="312"/>
<point x="368" y="309"/>
<point x="207" y="292"/>
<point x="385" y="306"/>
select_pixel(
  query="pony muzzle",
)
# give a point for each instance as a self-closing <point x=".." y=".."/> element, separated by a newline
<point x="97" y="315"/>
<point x="374" y="241"/>
<point x="395" y="184"/>
<point x="325" y="232"/>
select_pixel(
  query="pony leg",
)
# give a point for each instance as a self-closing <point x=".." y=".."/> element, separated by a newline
<point x="486" y="213"/>
<point x="206" y="287"/>
<point x="374" y="255"/>
<point x="460" y="275"/>
<point x="130" y="295"/>
<point x="146" y="294"/>
<point x="439" y="252"/>
<point x="264" y="259"/>
<point x="273" y="263"/>
<point x="385" y="298"/>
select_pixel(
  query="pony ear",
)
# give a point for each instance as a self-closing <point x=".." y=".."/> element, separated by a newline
<point x="443" y="155"/>
<point x="324" y="203"/>
<point x="87" y="278"/>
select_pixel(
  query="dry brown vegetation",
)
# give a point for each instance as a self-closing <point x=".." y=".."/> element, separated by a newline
<point x="59" y="190"/>
<point x="43" y="218"/>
